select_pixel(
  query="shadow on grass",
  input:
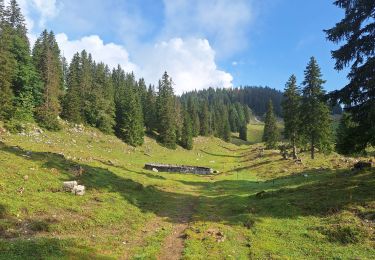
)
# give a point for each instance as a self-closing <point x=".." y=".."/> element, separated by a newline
<point x="286" y="197"/>
<point x="45" y="248"/>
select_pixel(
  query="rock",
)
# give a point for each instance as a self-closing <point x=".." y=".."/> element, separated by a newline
<point x="305" y="175"/>
<point x="69" y="185"/>
<point x="79" y="190"/>
<point x="26" y="177"/>
<point x="362" y="165"/>
<point x="21" y="190"/>
<point x="155" y="170"/>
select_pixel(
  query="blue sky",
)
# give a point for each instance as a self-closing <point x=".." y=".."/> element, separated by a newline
<point x="201" y="43"/>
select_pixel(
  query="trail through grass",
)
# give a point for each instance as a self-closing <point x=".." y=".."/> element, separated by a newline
<point x="256" y="208"/>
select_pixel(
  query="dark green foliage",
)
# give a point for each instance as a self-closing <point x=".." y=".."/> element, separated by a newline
<point x="226" y="133"/>
<point x="204" y="118"/>
<point x="72" y="102"/>
<point x="7" y="64"/>
<point x="316" y="124"/>
<point x="270" y="134"/>
<point x="149" y="110"/>
<point x="347" y="139"/>
<point x="165" y="113"/>
<point x="248" y="113"/>
<point x="192" y="107"/>
<point x="357" y="32"/>
<point x="243" y="131"/>
<point x="234" y="119"/>
<point x="129" y="116"/>
<point x="187" y="133"/>
<point x="291" y="112"/>
<point x="46" y="58"/>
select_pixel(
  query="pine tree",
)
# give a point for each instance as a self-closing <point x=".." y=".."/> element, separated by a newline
<point x="204" y="119"/>
<point x="234" y="119"/>
<point x="243" y="131"/>
<point x="165" y="113"/>
<point x="72" y="102"/>
<point x="226" y="126"/>
<point x="7" y="68"/>
<point x="150" y="110"/>
<point x="270" y="133"/>
<point x="247" y="113"/>
<point x="315" y="114"/>
<point x="291" y="112"/>
<point x="25" y="82"/>
<point x="187" y="134"/>
<point x="347" y="139"/>
<point x="129" y="116"/>
<point x="357" y="32"/>
<point x="46" y="57"/>
<point x="193" y="111"/>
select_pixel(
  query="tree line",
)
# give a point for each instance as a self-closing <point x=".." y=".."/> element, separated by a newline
<point x="40" y="85"/>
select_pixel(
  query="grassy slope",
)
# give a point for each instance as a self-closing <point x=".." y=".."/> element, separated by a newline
<point x="315" y="210"/>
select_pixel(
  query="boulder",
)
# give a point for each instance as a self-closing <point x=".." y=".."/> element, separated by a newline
<point x="79" y="190"/>
<point x="362" y="165"/>
<point x="69" y="185"/>
<point x="155" y="170"/>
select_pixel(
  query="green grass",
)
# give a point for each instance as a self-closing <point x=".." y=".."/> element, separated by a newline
<point x="265" y="208"/>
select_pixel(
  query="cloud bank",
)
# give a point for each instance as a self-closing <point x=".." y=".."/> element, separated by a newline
<point x="193" y="34"/>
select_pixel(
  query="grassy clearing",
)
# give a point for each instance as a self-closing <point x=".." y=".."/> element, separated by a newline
<point x="260" y="208"/>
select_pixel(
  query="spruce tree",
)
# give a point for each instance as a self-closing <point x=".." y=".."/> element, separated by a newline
<point x="7" y="68"/>
<point x="166" y="113"/>
<point x="291" y="112"/>
<point x="243" y="131"/>
<point x="315" y="114"/>
<point x="187" y="134"/>
<point x="129" y="117"/>
<point x="72" y="102"/>
<point x="204" y="119"/>
<point x="270" y="133"/>
<point x="150" y="110"/>
<point x="46" y="57"/>
<point x="356" y="32"/>
<point x="347" y="139"/>
<point x="226" y="136"/>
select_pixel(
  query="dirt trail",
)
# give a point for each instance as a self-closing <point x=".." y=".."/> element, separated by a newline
<point x="174" y="244"/>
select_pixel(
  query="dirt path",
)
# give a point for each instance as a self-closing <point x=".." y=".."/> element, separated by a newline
<point x="174" y="244"/>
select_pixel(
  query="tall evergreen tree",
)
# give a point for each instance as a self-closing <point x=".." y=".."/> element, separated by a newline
<point x="7" y="68"/>
<point x="72" y="102"/>
<point x="150" y="110"/>
<point x="347" y="137"/>
<point x="291" y="112"/>
<point x="165" y="113"/>
<point x="129" y="117"/>
<point x="270" y="133"/>
<point x="243" y="131"/>
<point x="46" y="57"/>
<point x="187" y="134"/>
<point x="226" y="133"/>
<point x="315" y="114"/>
<point x="357" y="32"/>
<point x="204" y="119"/>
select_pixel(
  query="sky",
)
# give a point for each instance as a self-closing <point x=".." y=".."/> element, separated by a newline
<point x="200" y="43"/>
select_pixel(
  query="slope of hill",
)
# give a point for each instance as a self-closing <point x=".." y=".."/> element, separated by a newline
<point x="257" y="207"/>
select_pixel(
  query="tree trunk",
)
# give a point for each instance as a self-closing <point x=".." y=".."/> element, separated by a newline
<point x="312" y="147"/>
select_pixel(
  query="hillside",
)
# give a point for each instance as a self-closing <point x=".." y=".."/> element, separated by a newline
<point x="257" y="207"/>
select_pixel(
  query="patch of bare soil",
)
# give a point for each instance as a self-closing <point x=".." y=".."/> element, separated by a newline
<point x="174" y="244"/>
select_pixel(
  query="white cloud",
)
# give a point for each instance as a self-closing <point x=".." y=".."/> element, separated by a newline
<point x="224" y="22"/>
<point x="111" y="54"/>
<point x="190" y="63"/>
<point x="47" y="8"/>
